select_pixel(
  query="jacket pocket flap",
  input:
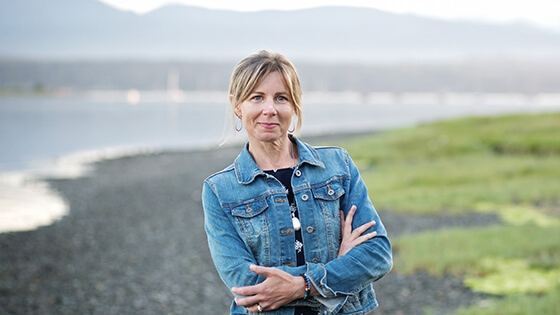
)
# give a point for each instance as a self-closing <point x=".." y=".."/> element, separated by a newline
<point x="250" y="209"/>
<point x="331" y="191"/>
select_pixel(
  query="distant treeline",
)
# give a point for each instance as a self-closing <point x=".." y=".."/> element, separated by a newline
<point x="501" y="76"/>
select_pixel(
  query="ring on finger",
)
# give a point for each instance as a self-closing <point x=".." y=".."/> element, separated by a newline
<point x="259" y="307"/>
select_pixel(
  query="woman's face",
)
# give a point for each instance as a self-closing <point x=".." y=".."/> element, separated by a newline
<point x="267" y="113"/>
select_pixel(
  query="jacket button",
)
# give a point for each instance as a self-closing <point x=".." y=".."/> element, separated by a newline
<point x="315" y="260"/>
<point x="310" y="229"/>
<point x="330" y="192"/>
<point x="298" y="173"/>
<point x="304" y="197"/>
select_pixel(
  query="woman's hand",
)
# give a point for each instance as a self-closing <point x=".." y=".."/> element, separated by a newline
<point x="278" y="289"/>
<point x="351" y="239"/>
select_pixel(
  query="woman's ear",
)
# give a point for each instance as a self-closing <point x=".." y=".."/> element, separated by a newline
<point x="236" y="109"/>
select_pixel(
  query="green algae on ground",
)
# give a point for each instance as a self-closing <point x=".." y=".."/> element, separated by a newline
<point x="512" y="276"/>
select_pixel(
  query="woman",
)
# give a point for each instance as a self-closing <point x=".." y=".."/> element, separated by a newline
<point x="273" y="218"/>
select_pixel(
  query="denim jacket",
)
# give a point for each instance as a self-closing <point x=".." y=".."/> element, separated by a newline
<point x="248" y="221"/>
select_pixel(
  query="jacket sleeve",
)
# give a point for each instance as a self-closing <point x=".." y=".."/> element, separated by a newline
<point x="230" y="254"/>
<point x="364" y="263"/>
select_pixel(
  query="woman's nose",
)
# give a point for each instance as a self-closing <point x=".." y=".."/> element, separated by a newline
<point x="269" y="107"/>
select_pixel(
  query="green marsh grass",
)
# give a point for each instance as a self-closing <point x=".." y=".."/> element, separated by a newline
<point x="509" y="166"/>
<point x="447" y="167"/>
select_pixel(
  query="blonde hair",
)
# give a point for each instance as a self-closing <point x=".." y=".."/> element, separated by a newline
<point x="249" y="71"/>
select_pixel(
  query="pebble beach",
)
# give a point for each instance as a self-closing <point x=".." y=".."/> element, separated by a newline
<point x="134" y="243"/>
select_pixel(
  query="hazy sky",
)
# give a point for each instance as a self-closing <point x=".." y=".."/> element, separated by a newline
<point x="543" y="12"/>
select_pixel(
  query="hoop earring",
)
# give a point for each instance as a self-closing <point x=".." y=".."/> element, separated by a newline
<point x="292" y="127"/>
<point x="238" y="129"/>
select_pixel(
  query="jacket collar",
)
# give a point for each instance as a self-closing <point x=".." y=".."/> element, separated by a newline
<point x="246" y="170"/>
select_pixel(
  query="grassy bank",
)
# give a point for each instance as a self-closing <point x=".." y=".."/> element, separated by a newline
<point x="506" y="165"/>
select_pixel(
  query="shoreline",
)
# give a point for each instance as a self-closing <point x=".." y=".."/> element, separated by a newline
<point x="27" y="201"/>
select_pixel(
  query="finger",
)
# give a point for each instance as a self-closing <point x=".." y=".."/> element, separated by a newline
<point x="246" y="301"/>
<point x="267" y="272"/>
<point x="260" y="270"/>
<point x="346" y="230"/>
<point x="362" y="228"/>
<point x="363" y="238"/>
<point x="255" y="308"/>
<point x="350" y="218"/>
<point x="245" y="291"/>
<point x="366" y="237"/>
<point x="351" y="213"/>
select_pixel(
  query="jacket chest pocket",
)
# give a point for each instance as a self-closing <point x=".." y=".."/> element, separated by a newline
<point x="251" y="217"/>
<point x="328" y="196"/>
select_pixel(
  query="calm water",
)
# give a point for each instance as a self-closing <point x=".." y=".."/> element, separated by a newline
<point x="36" y="130"/>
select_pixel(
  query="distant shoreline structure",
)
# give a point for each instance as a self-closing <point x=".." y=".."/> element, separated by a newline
<point x="135" y="96"/>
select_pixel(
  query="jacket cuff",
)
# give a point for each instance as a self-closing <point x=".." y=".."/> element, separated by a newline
<point x="317" y="274"/>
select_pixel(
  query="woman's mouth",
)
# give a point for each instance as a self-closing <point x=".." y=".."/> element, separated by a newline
<point x="268" y="125"/>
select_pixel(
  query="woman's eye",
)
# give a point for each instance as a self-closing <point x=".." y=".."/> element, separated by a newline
<point x="257" y="98"/>
<point x="282" y="99"/>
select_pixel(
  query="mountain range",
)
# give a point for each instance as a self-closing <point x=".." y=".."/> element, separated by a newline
<point x="89" y="29"/>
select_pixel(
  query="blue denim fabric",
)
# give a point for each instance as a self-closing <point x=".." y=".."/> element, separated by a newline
<point x="248" y="221"/>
